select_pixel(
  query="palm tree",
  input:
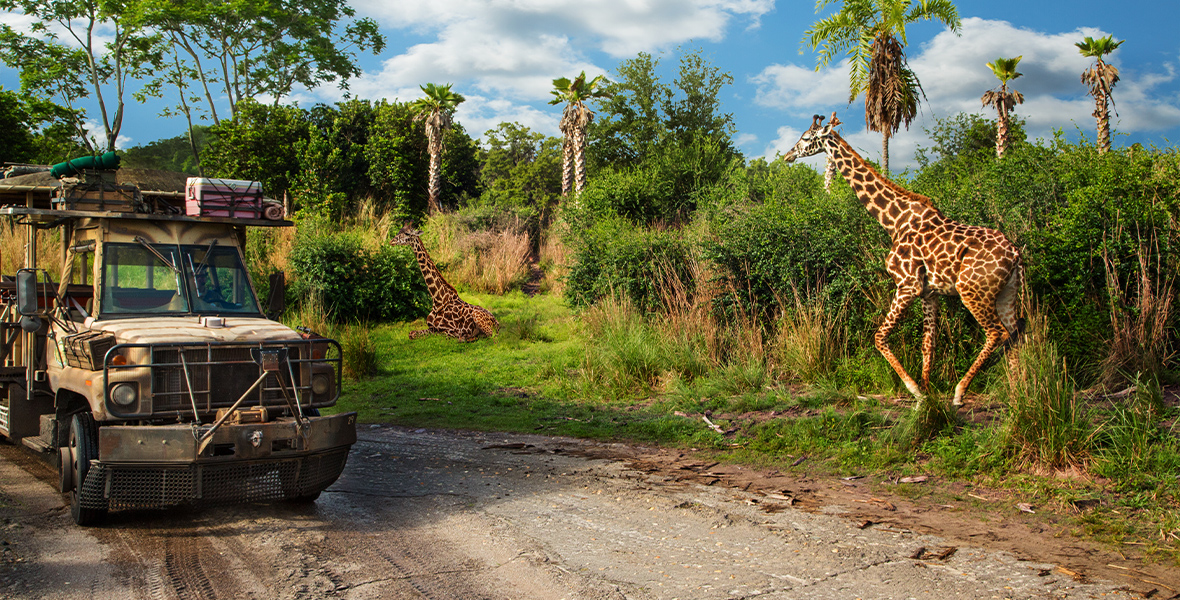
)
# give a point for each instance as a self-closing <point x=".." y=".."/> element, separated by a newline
<point x="437" y="109"/>
<point x="1003" y="100"/>
<point x="1101" y="79"/>
<point x="574" y="120"/>
<point x="872" y="34"/>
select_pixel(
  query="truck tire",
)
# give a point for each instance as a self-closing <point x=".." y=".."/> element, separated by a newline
<point x="83" y="449"/>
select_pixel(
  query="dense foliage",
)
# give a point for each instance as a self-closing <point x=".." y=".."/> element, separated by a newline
<point x="357" y="283"/>
<point x="330" y="159"/>
<point x="1098" y="234"/>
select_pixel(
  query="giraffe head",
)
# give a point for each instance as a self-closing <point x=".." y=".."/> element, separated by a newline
<point x="406" y="236"/>
<point x="812" y="141"/>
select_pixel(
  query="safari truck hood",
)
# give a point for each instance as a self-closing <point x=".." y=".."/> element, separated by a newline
<point x="165" y="330"/>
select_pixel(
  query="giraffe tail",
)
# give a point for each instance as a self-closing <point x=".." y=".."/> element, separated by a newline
<point x="1013" y="290"/>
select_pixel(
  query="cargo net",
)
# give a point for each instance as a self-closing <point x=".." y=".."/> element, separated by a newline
<point x="122" y="487"/>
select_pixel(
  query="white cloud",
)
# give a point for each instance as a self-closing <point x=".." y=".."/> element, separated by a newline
<point x="799" y="90"/>
<point x="954" y="74"/>
<point x="511" y="50"/>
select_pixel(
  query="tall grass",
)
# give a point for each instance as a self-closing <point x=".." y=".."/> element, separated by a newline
<point x="14" y="242"/>
<point x="812" y="341"/>
<point x="553" y="260"/>
<point x="1045" y="427"/>
<point x="359" y="349"/>
<point x="491" y="261"/>
<point x="1140" y="341"/>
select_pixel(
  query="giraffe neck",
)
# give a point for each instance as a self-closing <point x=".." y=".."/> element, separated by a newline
<point x="440" y="291"/>
<point x="894" y="207"/>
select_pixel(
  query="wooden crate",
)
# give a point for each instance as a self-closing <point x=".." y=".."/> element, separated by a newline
<point x="99" y="196"/>
<point x="87" y="349"/>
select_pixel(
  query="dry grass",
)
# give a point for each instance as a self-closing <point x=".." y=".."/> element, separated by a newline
<point x="13" y="243"/>
<point x="554" y="262"/>
<point x="1140" y="344"/>
<point x="812" y="342"/>
<point x="493" y="261"/>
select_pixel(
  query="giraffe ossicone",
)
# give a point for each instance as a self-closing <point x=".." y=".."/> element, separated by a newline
<point x="930" y="256"/>
<point x="449" y="314"/>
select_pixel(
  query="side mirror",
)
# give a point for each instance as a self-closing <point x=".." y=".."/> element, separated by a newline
<point x="276" y="301"/>
<point x="26" y="293"/>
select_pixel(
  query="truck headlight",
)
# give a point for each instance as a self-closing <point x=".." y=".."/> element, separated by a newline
<point x="124" y="394"/>
<point x="321" y="384"/>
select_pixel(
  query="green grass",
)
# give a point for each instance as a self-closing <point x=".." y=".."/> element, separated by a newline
<point x="552" y="371"/>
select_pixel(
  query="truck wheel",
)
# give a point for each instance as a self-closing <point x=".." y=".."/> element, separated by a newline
<point x="83" y="448"/>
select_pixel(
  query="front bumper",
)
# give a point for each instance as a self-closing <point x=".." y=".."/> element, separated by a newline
<point x="158" y="466"/>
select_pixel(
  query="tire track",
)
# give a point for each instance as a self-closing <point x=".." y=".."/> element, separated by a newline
<point x="186" y="575"/>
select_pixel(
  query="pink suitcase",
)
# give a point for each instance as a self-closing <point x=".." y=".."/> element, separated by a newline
<point x="235" y="198"/>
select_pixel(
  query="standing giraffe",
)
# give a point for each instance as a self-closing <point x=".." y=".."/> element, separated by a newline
<point x="449" y="314"/>
<point x="931" y="256"/>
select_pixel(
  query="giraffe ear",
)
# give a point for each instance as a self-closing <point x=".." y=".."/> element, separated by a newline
<point x="834" y="121"/>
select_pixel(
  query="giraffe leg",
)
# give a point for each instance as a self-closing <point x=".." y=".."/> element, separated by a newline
<point x="901" y="301"/>
<point x="1006" y="308"/>
<point x="985" y="312"/>
<point x="930" y="304"/>
<point x="431" y="327"/>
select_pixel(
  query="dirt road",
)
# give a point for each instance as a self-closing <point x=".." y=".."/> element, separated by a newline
<point x="462" y="516"/>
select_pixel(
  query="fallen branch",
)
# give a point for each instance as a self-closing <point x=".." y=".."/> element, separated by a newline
<point x="713" y="425"/>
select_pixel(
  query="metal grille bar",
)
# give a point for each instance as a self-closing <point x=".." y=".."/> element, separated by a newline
<point x="220" y="372"/>
<point x="118" y="487"/>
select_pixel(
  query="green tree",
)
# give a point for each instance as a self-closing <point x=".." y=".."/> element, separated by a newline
<point x="873" y="35"/>
<point x="90" y="63"/>
<point x="667" y="144"/>
<point x="398" y="158"/>
<point x="251" y="49"/>
<point x="631" y="120"/>
<point x="261" y="143"/>
<point x="520" y="169"/>
<point x="36" y="131"/>
<point x="254" y="49"/>
<point x="1100" y="78"/>
<point x="1002" y="99"/>
<point x="574" y="120"/>
<point x="437" y="110"/>
<point x="16" y="136"/>
<point x="169" y="154"/>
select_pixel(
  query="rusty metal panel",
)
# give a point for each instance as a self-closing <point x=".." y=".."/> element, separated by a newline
<point x="119" y="444"/>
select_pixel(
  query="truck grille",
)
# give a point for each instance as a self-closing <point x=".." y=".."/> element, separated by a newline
<point x="126" y="487"/>
<point x="219" y="375"/>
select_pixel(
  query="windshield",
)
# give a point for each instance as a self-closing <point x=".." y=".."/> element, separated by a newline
<point x="169" y="279"/>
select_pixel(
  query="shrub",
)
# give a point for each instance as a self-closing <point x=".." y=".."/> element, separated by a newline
<point x="378" y="284"/>
<point x="613" y="256"/>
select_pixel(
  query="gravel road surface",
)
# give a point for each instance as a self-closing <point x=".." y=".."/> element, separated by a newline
<point x="463" y="516"/>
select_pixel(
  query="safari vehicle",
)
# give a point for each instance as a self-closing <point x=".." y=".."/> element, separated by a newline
<point x="148" y="370"/>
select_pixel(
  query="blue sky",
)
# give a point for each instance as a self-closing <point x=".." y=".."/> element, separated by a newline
<point x="503" y="54"/>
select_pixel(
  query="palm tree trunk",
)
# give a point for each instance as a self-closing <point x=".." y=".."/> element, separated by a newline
<point x="885" y="154"/>
<point x="1102" y="114"/>
<point x="579" y="159"/>
<point x="435" y="178"/>
<point x="1001" y="130"/>
<point x="567" y="165"/>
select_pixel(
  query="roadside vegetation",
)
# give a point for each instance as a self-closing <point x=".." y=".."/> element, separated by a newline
<point x="690" y="297"/>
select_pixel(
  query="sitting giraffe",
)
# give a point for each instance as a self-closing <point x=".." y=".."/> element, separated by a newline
<point x="449" y="314"/>
<point x="931" y="255"/>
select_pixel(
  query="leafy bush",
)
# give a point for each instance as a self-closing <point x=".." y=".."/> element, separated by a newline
<point x="614" y="257"/>
<point x="379" y="284"/>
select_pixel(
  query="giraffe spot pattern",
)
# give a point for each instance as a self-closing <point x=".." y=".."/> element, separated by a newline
<point x="930" y="255"/>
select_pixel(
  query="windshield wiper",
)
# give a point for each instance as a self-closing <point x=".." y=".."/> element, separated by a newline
<point x="156" y="253"/>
